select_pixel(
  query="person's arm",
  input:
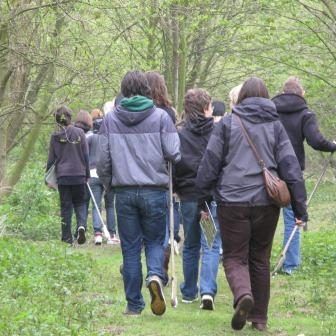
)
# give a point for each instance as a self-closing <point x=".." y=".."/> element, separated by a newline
<point x="170" y="140"/>
<point x="104" y="161"/>
<point x="313" y="135"/>
<point x="213" y="158"/>
<point x="51" y="155"/>
<point x="289" y="170"/>
<point x="85" y="149"/>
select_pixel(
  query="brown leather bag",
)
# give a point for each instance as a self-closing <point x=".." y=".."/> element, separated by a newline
<point x="276" y="188"/>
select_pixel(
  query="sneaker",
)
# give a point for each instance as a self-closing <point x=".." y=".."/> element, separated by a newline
<point x="81" y="235"/>
<point x="207" y="302"/>
<point x="184" y="300"/>
<point x="98" y="239"/>
<point x="129" y="312"/>
<point x="243" y="308"/>
<point x="259" y="326"/>
<point x="113" y="240"/>
<point x="158" y="303"/>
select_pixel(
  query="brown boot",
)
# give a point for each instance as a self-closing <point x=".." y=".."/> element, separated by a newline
<point x="244" y="306"/>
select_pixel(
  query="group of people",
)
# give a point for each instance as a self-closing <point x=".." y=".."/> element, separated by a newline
<point x="214" y="168"/>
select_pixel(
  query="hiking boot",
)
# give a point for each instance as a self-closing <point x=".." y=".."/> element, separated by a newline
<point x="244" y="306"/>
<point x="98" y="239"/>
<point x="81" y="235"/>
<point x="129" y="312"/>
<point x="113" y="240"/>
<point x="207" y="302"/>
<point x="158" y="303"/>
<point x="259" y="326"/>
<point x="188" y="301"/>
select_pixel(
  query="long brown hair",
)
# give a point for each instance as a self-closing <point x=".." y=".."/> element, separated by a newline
<point x="253" y="87"/>
<point x="158" y="87"/>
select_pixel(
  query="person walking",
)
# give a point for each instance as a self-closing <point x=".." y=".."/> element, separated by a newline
<point x="301" y="125"/>
<point x="136" y="141"/>
<point x="194" y="133"/>
<point x="68" y="150"/>
<point x="246" y="215"/>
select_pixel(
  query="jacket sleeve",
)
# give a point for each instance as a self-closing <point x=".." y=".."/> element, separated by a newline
<point x="51" y="155"/>
<point x="170" y="140"/>
<point x="313" y="135"/>
<point x="289" y="170"/>
<point x="104" y="161"/>
<point x="85" y="149"/>
<point x="213" y="159"/>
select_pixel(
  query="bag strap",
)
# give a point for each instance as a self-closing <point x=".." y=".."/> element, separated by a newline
<point x="250" y="142"/>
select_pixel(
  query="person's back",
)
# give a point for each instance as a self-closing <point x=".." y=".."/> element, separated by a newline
<point x="136" y="141"/>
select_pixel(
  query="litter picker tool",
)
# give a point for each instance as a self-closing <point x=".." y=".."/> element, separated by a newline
<point x="296" y="227"/>
<point x="174" y="301"/>
<point x="105" y="230"/>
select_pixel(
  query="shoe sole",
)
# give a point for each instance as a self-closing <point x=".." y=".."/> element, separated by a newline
<point x="189" y="301"/>
<point x="242" y="310"/>
<point x="81" y="237"/>
<point x="158" y="303"/>
<point x="207" y="304"/>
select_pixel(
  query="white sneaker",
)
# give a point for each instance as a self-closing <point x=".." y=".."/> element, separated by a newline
<point x="98" y="239"/>
<point x="207" y="302"/>
<point x="113" y="240"/>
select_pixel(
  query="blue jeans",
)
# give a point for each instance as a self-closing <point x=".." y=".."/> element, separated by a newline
<point x="141" y="218"/>
<point x="210" y="259"/>
<point x="293" y="255"/>
<point x="98" y="191"/>
<point x="191" y="255"/>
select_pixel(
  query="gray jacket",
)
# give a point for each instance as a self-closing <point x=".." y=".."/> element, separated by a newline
<point x="134" y="148"/>
<point x="230" y="166"/>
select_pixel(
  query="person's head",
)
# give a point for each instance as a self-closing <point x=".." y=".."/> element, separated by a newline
<point x="135" y="84"/>
<point x="218" y="108"/>
<point x="83" y="117"/>
<point x="108" y="107"/>
<point x="197" y="103"/>
<point x="252" y="87"/>
<point x="63" y="115"/>
<point x="96" y="114"/>
<point x="159" y="92"/>
<point x="293" y="85"/>
<point x="233" y="95"/>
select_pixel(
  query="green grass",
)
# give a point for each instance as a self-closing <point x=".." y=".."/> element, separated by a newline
<point x="49" y="289"/>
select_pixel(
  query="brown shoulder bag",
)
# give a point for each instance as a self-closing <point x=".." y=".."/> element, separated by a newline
<point x="276" y="188"/>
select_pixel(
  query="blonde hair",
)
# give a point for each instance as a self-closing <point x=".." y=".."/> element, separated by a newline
<point x="293" y="85"/>
<point x="234" y="94"/>
<point x="96" y="114"/>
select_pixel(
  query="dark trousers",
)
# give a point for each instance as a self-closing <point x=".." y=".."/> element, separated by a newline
<point x="247" y="235"/>
<point x="72" y="197"/>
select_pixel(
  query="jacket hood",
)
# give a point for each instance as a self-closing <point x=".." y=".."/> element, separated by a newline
<point x="289" y="103"/>
<point x="83" y="126"/>
<point x="68" y="134"/>
<point x="256" y="110"/>
<point x="131" y="118"/>
<point x="200" y="126"/>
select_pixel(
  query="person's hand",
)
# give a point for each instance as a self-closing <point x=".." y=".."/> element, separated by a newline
<point x="299" y="222"/>
<point x="204" y="215"/>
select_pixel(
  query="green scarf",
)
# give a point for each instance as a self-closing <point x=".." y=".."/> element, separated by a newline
<point x="137" y="103"/>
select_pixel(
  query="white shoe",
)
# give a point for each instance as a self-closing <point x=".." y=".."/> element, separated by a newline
<point x="98" y="239"/>
<point x="207" y="302"/>
<point x="113" y="240"/>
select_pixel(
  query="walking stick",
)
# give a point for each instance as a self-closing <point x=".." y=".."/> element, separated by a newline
<point x="296" y="227"/>
<point x="105" y="231"/>
<point x="174" y="301"/>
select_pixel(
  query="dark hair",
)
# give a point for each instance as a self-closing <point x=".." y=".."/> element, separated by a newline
<point x="252" y="87"/>
<point x="63" y="115"/>
<point x="158" y="88"/>
<point x="195" y="102"/>
<point x="293" y="85"/>
<point x="218" y="108"/>
<point x="135" y="84"/>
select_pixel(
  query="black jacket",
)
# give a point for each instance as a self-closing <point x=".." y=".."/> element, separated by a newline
<point x="300" y="124"/>
<point x="194" y="136"/>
